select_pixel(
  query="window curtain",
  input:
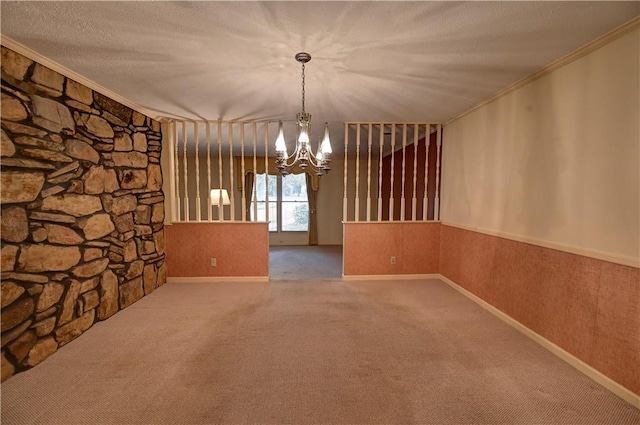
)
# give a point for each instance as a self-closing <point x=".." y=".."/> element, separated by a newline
<point x="248" y="193"/>
<point x="260" y="169"/>
<point x="312" y="197"/>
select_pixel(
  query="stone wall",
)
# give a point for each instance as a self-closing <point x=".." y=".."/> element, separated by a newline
<point x="82" y="210"/>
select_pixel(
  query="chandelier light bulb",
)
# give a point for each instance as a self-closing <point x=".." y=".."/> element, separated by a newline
<point x="281" y="146"/>
<point x="325" y="146"/>
<point x="304" y="137"/>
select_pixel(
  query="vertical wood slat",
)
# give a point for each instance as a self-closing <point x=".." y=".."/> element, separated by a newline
<point x="232" y="191"/>
<point x="181" y="212"/>
<point x="380" y="172"/>
<point x="369" y="141"/>
<point x="357" y="197"/>
<point x="436" y="205"/>
<point x="255" y="168"/>
<point x="393" y="158"/>
<point x="220" y="206"/>
<point x="209" y="217"/>
<point x="176" y="172"/>
<point x="425" y="199"/>
<point x="266" y="170"/>
<point x="404" y="168"/>
<point x="414" y="199"/>
<point x="184" y="159"/>
<point x="197" y="160"/>
<point x="346" y="147"/>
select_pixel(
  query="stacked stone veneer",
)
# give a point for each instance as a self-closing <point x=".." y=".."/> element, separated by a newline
<point x="82" y="210"/>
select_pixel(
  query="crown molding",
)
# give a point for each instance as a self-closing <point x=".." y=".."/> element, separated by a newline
<point x="590" y="47"/>
<point x="42" y="60"/>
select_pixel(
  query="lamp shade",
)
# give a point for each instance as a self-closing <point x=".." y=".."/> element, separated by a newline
<point x="217" y="194"/>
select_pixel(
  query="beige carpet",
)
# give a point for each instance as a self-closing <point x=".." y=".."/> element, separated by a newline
<point x="315" y="352"/>
<point x="319" y="262"/>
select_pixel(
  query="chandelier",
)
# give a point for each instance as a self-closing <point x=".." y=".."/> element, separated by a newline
<point x="303" y="157"/>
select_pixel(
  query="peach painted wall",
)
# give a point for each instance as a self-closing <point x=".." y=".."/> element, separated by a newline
<point x="241" y="249"/>
<point x="368" y="248"/>
<point x="588" y="307"/>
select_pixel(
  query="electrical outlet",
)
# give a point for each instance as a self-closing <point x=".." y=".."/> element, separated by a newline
<point x="214" y="262"/>
<point x="393" y="260"/>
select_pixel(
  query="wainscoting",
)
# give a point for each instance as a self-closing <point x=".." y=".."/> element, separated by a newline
<point x="588" y="307"/>
<point x="368" y="248"/>
<point x="240" y="249"/>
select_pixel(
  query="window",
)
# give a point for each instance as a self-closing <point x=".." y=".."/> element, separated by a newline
<point x="294" y="207"/>
<point x="288" y="204"/>
<point x="261" y="191"/>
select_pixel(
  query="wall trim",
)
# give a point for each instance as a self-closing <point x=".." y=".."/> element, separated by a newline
<point x="393" y="222"/>
<point x="585" y="252"/>
<point x="42" y="60"/>
<point x="590" y="47"/>
<point x="217" y="279"/>
<point x="219" y="222"/>
<point x="389" y="276"/>
<point x="619" y="390"/>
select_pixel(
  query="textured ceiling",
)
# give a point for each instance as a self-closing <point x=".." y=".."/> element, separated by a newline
<point x="372" y="61"/>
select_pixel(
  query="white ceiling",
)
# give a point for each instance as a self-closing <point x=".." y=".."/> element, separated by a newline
<point x="372" y="61"/>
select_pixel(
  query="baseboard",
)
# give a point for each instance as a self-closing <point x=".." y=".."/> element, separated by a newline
<point x="211" y="279"/>
<point x="622" y="392"/>
<point x="390" y="276"/>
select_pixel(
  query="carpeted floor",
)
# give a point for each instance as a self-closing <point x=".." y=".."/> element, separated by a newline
<point x="307" y="352"/>
<point x="320" y="262"/>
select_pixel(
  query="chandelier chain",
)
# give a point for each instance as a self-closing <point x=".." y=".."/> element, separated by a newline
<point x="303" y="111"/>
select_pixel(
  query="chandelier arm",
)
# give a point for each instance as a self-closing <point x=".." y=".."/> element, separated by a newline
<point x="310" y="160"/>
